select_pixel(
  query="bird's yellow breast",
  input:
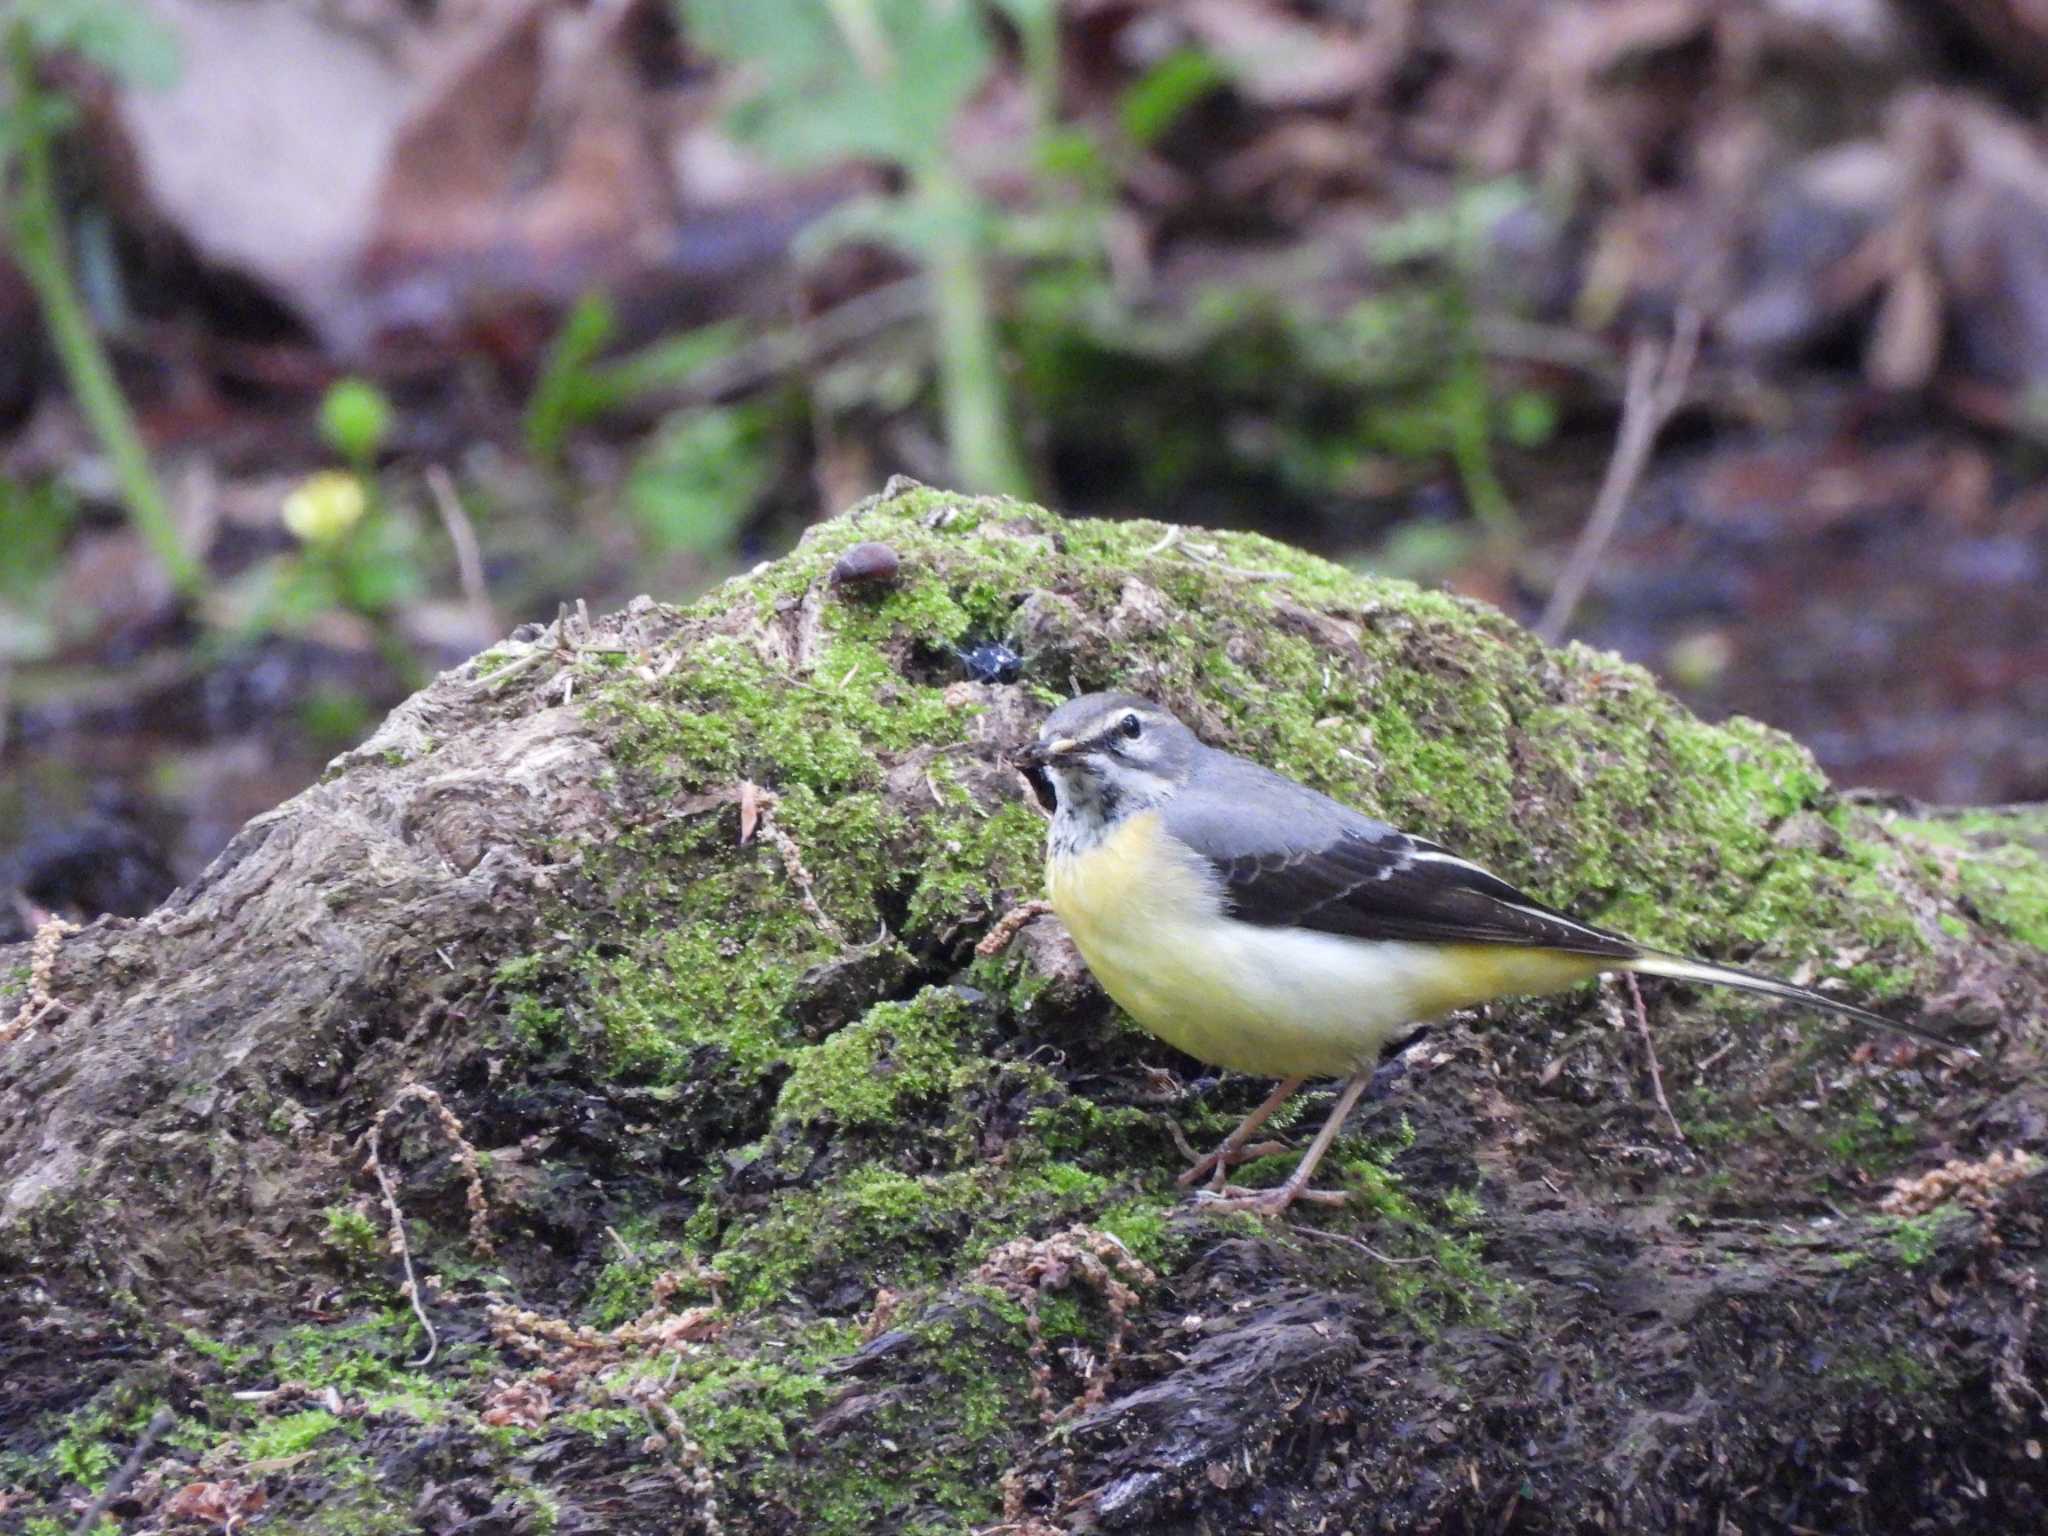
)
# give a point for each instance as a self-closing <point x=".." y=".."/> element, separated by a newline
<point x="1148" y="916"/>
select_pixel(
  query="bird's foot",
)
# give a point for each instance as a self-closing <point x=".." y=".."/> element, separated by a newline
<point x="1266" y="1202"/>
<point x="1215" y="1165"/>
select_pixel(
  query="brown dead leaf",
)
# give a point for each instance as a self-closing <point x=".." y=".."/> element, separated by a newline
<point x="267" y="151"/>
<point x="531" y="142"/>
<point x="1277" y="60"/>
<point x="222" y="1504"/>
<point x="523" y="1404"/>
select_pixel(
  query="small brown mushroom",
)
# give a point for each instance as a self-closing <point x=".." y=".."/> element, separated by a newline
<point x="868" y="563"/>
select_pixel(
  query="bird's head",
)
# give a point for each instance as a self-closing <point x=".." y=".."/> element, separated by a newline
<point x="1103" y="756"/>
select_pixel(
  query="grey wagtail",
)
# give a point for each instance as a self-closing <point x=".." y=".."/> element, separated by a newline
<point x="1264" y="928"/>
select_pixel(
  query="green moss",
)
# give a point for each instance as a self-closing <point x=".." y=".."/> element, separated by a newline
<point x="899" y="1230"/>
<point x="1567" y="770"/>
<point x="1897" y="1373"/>
<point x="355" y="1500"/>
<point x="928" y="1466"/>
<point x="86" y="1454"/>
<point x="1869" y="1138"/>
<point x="1075" y="1126"/>
<point x="872" y="1072"/>
<point x="351" y="1234"/>
<point x="1914" y="1240"/>
<point x="364" y="1355"/>
<point x="2002" y="879"/>
<point x="748" y="1407"/>
<point x="624" y="1288"/>
<point x="289" y="1435"/>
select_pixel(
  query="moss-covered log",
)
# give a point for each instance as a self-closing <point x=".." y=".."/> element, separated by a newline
<point x="796" y="1216"/>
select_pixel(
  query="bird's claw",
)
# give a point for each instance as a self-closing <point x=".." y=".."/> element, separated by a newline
<point x="1265" y="1202"/>
<point x="1214" y="1165"/>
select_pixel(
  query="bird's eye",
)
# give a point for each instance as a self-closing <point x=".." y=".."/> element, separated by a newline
<point x="1130" y="726"/>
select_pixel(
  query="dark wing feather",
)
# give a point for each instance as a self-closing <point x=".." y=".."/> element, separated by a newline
<point x="1398" y="887"/>
<point x="1325" y="867"/>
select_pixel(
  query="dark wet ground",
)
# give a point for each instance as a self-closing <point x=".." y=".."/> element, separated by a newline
<point x="1878" y="607"/>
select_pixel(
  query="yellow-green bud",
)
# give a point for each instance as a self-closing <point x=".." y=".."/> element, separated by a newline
<point x="325" y="506"/>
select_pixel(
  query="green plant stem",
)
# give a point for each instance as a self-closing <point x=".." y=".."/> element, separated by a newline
<point x="1468" y="401"/>
<point x="973" y="396"/>
<point x="36" y="233"/>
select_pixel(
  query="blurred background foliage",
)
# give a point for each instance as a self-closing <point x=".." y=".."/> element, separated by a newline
<point x="339" y="337"/>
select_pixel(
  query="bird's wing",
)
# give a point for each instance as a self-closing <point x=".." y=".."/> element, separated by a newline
<point x="1287" y="857"/>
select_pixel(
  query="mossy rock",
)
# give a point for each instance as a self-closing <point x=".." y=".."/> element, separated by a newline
<point x="677" y="912"/>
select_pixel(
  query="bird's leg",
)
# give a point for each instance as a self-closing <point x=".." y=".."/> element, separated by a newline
<point x="1216" y="1166"/>
<point x="1271" y="1202"/>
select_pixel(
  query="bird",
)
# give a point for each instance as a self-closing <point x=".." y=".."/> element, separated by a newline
<point x="1264" y="928"/>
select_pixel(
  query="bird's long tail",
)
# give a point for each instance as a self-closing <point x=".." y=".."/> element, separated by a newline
<point x="1677" y="967"/>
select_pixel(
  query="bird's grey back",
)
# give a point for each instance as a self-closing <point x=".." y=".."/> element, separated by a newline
<point x="1232" y="808"/>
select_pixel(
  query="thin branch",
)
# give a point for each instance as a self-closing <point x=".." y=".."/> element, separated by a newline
<point x="469" y="559"/>
<point x="401" y="1247"/>
<point x="1657" y="376"/>
<point x="117" y="1485"/>
<point x="1650" y="1050"/>
<point x="769" y="357"/>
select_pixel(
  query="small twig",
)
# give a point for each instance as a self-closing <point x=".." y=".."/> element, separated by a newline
<point x="469" y="560"/>
<point x="1176" y="539"/>
<point x="514" y="667"/>
<point x="1657" y="378"/>
<point x="1007" y="927"/>
<point x="117" y="1485"/>
<point x="1650" y="1050"/>
<point x="1363" y="1247"/>
<point x="1713" y="1061"/>
<point x="763" y="801"/>
<point x="479" y="1206"/>
<point x="399" y="1245"/>
<point x="1209" y="556"/>
<point x="41" y="1000"/>
<point x="1173" y="535"/>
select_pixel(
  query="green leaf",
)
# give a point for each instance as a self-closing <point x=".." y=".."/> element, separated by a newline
<point x="355" y="418"/>
<point x="1529" y="418"/>
<point x="568" y="391"/>
<point x="1157" y="98"/>
<point x="845" y="79"/>
<point x="696" y="484"/>
<point x="672" y="362"/>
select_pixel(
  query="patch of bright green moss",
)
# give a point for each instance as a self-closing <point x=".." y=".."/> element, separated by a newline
<point x="1914" y="1240"/>
<point x="874" y="1071"/>
<point x="288" y="1436"/>
<point x="365" y="1355"/>
<point x="2003" y="879"/>
<point x="899" y="1230"/>
<point x="351" y="1234"/>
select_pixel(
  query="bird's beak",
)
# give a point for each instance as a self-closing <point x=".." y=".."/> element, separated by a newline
<point x="1038" y="754"/>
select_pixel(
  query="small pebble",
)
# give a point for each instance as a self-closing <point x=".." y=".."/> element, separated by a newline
<point x="868" y="563"/>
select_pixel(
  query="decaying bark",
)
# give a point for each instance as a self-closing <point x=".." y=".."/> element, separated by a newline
<point x="797" y="1208"/>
